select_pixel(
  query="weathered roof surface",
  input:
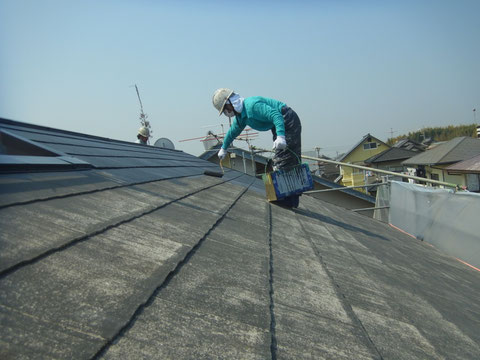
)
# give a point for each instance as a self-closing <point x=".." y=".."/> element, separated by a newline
<point x="458" y="149"/>
<point x="391" y="154"/>
<point x="468" y="166"/>
<point x="164" y="262"/>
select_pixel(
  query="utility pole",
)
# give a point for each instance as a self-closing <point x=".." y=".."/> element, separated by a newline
<point x="391" y="133"/>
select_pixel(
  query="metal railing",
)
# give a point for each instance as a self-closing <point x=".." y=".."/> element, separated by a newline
<point x="344" y="188"/>
<point x="386" y="172"/>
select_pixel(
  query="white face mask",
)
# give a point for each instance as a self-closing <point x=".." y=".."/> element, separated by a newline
<point x="229" y="114"/>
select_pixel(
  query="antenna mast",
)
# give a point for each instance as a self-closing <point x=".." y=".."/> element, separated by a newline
<point x="143" y="116"/>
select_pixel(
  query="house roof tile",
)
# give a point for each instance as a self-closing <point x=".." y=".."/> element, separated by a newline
<point x="391" y="154"/>
<point x="457" y="149"/>
<point x="126" y="261"/>
<point x="467" y="166"/>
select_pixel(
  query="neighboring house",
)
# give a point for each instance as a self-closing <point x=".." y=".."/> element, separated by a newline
<point x="391" y="160"/>
<point x="470" y="169"/>
<point x="411" y="145"/>
<point x="115" y="250"/>
<point x="367" y="147"/>
<point x="239" y="159"/>
<point x="319" y="168"/>
<point x="327" y="170"/>
<point x="347" y="198"/>
<point x="433" y="162"/>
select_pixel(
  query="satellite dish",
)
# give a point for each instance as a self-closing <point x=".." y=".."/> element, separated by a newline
<point x="164" y="143"/>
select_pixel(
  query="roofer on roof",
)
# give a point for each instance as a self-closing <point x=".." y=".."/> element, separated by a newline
<point x="263" y="114"/>
<point x="143" y="135"/>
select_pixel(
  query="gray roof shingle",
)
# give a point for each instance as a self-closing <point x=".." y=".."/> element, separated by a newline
<point x="164" y="262"/>
<point x="457" y="149"/>
<point x="391" y="154"/>
<point x="467" y="166"/>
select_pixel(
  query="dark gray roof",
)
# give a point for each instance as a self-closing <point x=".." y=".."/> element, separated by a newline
<point x="358" y="144"/>
<point x="408" y="144"/>
<point x="391" y="154"/>
<point x="468" y="166"/>
<point x="458" y="149"/>
<point x="144" y="256"/>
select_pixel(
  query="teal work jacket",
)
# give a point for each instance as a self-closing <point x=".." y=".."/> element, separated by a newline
<point x="260" y="114"/>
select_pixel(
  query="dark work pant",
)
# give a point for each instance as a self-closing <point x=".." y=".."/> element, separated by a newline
<point x="290" y="156"/>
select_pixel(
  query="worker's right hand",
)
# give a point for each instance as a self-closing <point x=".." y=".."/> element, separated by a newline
<point x="222" y="153"/>
<point x="280" y="143"/>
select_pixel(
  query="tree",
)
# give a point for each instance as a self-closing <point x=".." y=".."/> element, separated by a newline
<point x="437" y="133"/>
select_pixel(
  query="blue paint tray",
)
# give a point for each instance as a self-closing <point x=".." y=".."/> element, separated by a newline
<point x="282" y="183"/>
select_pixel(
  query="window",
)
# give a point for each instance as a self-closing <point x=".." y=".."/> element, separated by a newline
<point x="369" y="146"/>
<point x="434" y="176"/>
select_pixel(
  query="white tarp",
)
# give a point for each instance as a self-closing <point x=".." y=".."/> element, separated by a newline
<point x="446" y="219"/>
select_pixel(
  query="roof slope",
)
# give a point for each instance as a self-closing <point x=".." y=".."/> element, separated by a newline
<point x="167" y="263"/>
<point x="409" y="144"/>
<point x="457" y="149"/>
<point x="391" y="154"/>
<point x="468" y="166"/>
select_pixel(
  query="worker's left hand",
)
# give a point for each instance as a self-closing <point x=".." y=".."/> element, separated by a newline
<point x="280" y="143"/>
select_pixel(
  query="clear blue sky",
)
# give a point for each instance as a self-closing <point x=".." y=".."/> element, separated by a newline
<point x="347" y="67"/>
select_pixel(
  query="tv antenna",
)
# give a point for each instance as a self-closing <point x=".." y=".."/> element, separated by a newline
<point x="143" y="117"/>
<point x="211" y="138"/>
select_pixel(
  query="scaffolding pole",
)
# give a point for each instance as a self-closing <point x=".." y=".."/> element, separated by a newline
<point x="382" y="171"/>
<point x="344" y="188"/>
<point x="371" y="208"/>
<point x="455" y="186"/>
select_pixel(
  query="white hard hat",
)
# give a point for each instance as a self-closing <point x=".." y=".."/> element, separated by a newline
<point x="144" y="131"/>
<point x="220" y="97"/>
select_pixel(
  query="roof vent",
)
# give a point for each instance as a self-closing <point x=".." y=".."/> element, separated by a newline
<point x="18" y="154"/>
<point x="12" y="145"/>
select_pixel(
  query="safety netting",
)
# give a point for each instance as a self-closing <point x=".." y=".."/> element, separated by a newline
<point x="447" y="219"/>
